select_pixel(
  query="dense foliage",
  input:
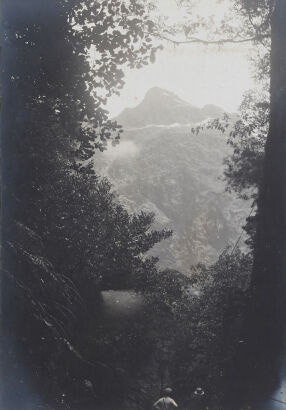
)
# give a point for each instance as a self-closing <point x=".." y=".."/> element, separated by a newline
<point x="258" y="162"/>
<point x="67" y="238"/>
<point x="193" y="328"/>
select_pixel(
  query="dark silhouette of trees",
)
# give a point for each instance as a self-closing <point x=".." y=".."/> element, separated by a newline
<point x="268" y="279"/>
<point x="257" y="162"/>
<point x="65" y="235"/>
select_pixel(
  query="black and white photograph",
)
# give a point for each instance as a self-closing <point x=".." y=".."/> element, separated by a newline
<point x="143" y="205"/>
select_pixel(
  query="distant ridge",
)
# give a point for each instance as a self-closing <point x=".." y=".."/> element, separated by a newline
<point x="161" y="106"/>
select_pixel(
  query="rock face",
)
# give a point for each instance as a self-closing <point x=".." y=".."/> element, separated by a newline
<point x="160" y="166"/>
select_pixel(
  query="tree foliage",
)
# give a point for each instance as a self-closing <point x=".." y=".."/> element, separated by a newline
<point x="66" y="236"/>
<point x="193" y="327"/>
<point x="256" y="169"/>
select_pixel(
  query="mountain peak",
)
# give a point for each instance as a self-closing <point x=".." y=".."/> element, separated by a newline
<point x="158" y="92"/>
<point x="161" y="95"/>
<point x="163" y="107"/>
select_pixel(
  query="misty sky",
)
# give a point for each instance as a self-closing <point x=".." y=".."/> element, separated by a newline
<point x="198" y="74"/>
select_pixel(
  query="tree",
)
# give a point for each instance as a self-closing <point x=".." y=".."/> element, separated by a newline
<point x="193" y="324"/>
<point x="269" y="265"/>
<point x="63" y="227"/>
<point x="53" y="87"/>
<point x="261" y="21"/>
<point x="267" y="310"/>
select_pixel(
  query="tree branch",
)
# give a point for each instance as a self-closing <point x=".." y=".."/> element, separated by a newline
<point x="206" y="42"/>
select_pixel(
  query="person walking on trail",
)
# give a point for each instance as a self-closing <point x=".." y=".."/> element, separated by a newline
<point x="165" y="402"/>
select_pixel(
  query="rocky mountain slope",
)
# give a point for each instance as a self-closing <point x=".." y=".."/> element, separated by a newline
<point x="160" y="166"/>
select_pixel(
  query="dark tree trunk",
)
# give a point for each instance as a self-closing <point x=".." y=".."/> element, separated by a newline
<point x="265" y="328"/>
